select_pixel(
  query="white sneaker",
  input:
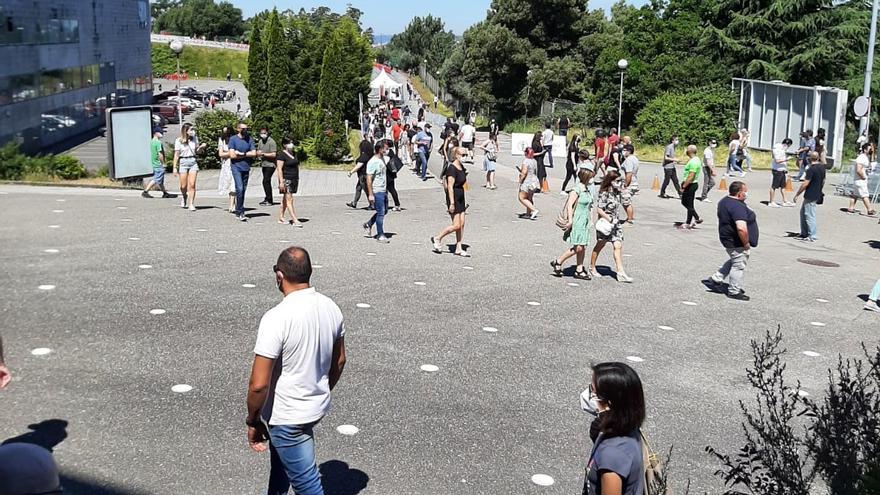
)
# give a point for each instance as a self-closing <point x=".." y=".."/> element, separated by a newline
<point x="788" y="204"/>
<point x="534" y="215"/>
<point x="872" y="306"/>
<point x="774" y="205"/>
<point x="563" y="193"/>
<point x="707" y="200"/>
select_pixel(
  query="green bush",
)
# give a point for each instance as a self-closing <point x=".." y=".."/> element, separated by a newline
<point x="305" y="120"/>
<point x="332" y="142"/>
<point x="208" y="128"/>
<point x="201" y="60"/>
<point x="14" y="165"/>
<point x="694" y="116"/>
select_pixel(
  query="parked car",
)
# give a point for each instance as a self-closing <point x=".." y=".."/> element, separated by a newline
<point x="159" y="120"/>
<point x="169" y="112"/>
<point x="186" y="105"/>
<point x="193" y="104"/>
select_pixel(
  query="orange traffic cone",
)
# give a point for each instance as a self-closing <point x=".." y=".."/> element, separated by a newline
<point x="722" y="185"/>
<point x="545" y="186"/>
<point x="655" y="186"/>
<point x="788" y="185"/>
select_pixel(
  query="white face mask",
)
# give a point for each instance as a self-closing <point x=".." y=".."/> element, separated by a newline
<point x="590" y="403"/>
<point x="288" y="146"/>
<point x="191" y="133"/>
<point x="745" y="195"/>
<point x="713" y="145"/>
<point x="264" y="136"/>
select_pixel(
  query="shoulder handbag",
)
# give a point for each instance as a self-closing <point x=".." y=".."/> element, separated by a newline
<point x="655" y="478"/>
<point x="563" y="220"/>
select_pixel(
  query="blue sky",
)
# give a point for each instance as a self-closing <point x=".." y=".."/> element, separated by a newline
<point x="392" y="16"/>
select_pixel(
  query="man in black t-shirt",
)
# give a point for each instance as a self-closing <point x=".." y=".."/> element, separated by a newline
<point x="811" y="188"/>
<point x="738" y="232"/>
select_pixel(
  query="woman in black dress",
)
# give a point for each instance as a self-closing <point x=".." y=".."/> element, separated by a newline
<point x="454" y="180"/>
<point x="539" y="152"/>
<point x="287" y="166"/>
<point x="570" y="160"/>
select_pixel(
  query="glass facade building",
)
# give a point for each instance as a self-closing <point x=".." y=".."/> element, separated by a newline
<point x="65" y="62"/>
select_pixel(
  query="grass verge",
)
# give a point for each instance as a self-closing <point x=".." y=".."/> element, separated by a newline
<point x="428" y="97"/>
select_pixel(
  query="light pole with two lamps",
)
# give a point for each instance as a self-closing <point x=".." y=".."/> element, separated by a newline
<point x="177" y="47"/>
<point x="622" y="64"/>
<point x="528" y="87"/>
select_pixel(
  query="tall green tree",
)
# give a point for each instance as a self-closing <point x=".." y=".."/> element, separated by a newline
<point x="345" y="71"/>
<point x="256" y="81"/>
<point x="277" y="99"/>
<point x="551" y="25"/>
<point x="425" y="38"/>
<point x="199" y="18"/>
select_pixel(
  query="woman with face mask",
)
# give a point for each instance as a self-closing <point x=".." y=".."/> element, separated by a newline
<point x="609" y="227"/>
<point x="226" y="184"/>
<point x="287" y="168"/>
<point x="570" y="161"/>
<point x="615" y="465"/>
<point x="185" y="148"/>
<point x="454" y="181"/>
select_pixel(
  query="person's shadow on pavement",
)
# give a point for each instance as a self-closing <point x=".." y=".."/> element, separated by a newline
<point x="46" y="434"/>
<point x="339" y="479"/>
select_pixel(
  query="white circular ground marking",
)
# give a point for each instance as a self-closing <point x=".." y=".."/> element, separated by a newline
<point x="61" y="200"/>
<point x="221" y="252"/>
<point x="803" y="393"/>
<point x="41" y="351"/>
<point x="157" y="311"/>
<point x="811" y="354"/>
<point x="689" y="303"/>
<point x="317" y="266"/>
<point x="52" y="251"/>
<point x="485" y="228"/>
<point x="537" y="244"/>
<point x="121" y="207"/>
<point x="57" y="211"/>
<point x="627" y="256"/>
<point x="420" y="284"/>
<point x="46" y="287"/>
<point x="181" y="388"/>
<point x="126" y="220"/>
<point x="649" y="244"/>
<point x="542" y="480"/>
<point x="506" y="255"/>
<point x="201" y="230"/>
<point x="363" y="305"/>
<point x="248" y="286"/>
<point x="336" y="232"/>
<point x="634" y="359"/>
<point x="664" y="327"/>
<point x="145" y="267"/>
<point x="134" y="238"/>
<point x="347" y="429"/>
<point x="817" y="324"/>
<point x="467" y="268"/>
<point x="430" y="368"/>
<point x="54" y="226"/>
<point x="490" y="329"/>
<point x="533" y="303"/>
<point x="371" y="254"/>
<point x="819" y="299"/>
<point x="574" y="284"/>
<point x="416" y="243"/>
<point x="118" y="199"/>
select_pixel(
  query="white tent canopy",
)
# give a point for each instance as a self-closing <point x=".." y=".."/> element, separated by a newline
<point x="383" y="80"/>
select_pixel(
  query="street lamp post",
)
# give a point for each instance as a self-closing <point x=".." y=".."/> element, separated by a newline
<point x="528" y="88"/>
<point x="872" y="37"/>
<point x="622" y="64"/>
<point x="177" y="47"/>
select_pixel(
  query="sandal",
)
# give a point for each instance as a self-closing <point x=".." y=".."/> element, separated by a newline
<point x="582" y="274"/>
<point x="463" y="254"/>
<point x="557" y="268"/>
<point x="871" y="213"/>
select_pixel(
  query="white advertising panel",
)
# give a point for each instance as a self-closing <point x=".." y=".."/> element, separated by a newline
<point x="129" y="130"/>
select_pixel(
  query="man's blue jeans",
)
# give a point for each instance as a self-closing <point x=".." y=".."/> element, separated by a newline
<point x="240" y="177"/>
<point x="808" y="219"/>
<point x="379" y="217"/>
<point x="292" y="450"/>
<point x="423" y="164"/>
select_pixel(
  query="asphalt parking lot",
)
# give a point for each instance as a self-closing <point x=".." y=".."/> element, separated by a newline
<point x="84" y="273"/>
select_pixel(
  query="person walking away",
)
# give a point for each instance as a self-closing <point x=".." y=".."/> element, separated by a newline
<point x="600" y="148"/>
<point x="570" y="160"/>
<point x="299" y="356"/>
<point x="669" y="173"/>
<point x="288" y="181"/>
<point x="811" y="188"/>
<point x="616" y="463"/>
<point x="708" y="170"/>
<point x="360" y="168"/>
<point x="613" y="140"/>
<point x="871" y="303"/>
<point x="455" y="180"/>
<point x="267" y="149"/>
<point x="820" y="146"/>
<point x="436" y="100"/>
<point x="689" y="187"/>
<point x="744" y="137"/>
<point x="493" y="130"/>
<point x="425" y="141"/>
<point x="466" y="136"/>
<point x="629" y="170"/>
<point x="226" y="183"/>
<point x="860" y="180"/>
<point x="734" y="156"/>
<point x="242" y="152"/>
<point x="547" y="143"/>
<point x="539" y="152"/>
<point x="738" y="233"/>
<point x="563" y="124"/>
<point x="528" y="184"/>
<point x="490" y="162"/>
<point x="579" y="205"/>
<point x="779" y="169"/>
<point x="157" y="158"/>
<point x="186" y="146"/>
<point x="807" y="145"/>
<point x="376" y="183"/>
<point x="405" y="146"/>
<point x="396" y="131"/>
<point x="607" y="207"/>
<point x="394" y="165"/>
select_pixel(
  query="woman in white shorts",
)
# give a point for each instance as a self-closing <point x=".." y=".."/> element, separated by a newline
<point x="860" y="179"/>
<point x="185" y="148"/>
<point x="490" y="162"/>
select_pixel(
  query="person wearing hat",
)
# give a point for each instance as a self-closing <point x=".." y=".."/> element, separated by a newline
<point x="157" y="157"/>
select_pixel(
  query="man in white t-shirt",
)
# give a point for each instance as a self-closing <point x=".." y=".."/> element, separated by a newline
<point x="779" y="169"/>
<point x="860" y="179"/>
<point x="708" y="170"/>
<point x="466" y="135"/>
<point x="547" y="143"/>
<point x="298" y="359"/>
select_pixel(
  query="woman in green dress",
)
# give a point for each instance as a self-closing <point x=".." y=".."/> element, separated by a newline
<point x="579" y="205"/>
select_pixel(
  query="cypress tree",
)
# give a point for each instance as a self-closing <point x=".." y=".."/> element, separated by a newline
<point x="276" y="100"/>
<point x="345" y="71"/>
<point x="256" y="83"/>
